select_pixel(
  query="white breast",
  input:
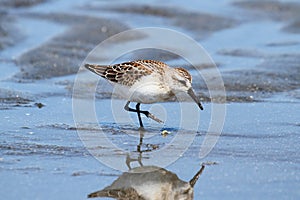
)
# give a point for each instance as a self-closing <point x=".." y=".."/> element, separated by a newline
<point x="147" y="90"/>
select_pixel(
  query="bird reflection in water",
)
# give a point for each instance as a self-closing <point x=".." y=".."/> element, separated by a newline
<point x="149" y="183"/>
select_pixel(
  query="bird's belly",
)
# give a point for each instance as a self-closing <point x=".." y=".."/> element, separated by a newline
<point x="148" y="90"/>
<point x="151" y="93"/>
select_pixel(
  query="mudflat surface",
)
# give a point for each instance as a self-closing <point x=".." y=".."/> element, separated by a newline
<point x="45" y="155"/>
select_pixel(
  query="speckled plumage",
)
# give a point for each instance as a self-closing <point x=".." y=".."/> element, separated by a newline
<point x="129" y="72"/>
<point x="146" y="81"/>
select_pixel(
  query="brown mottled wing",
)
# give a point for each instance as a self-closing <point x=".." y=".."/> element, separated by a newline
<point x="154" y="65"/>
<point x="124" y="73"/>
<point x="120" y="194"/>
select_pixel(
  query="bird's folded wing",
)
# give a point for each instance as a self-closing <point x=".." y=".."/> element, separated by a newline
<point x="125" y="73"/>
<point x="122" y="194"/>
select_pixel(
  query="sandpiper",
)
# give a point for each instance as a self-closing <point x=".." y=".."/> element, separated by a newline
<point x="147" y="82"/>
<point x="149" y="183"/>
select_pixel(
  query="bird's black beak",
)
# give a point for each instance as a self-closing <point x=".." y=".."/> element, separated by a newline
<point x="197" y="175"/>
<point x="192" y="94"/>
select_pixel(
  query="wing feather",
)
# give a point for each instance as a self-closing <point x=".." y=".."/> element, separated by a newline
<point x="125" y="73"/>
<point x="120" y="194"/>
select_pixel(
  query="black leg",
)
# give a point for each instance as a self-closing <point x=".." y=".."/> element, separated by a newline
<point x="138" y="111"/>
<point x="139" y="114"/>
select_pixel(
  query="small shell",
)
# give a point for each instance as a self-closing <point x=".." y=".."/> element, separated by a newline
<point x="165" y="133"/>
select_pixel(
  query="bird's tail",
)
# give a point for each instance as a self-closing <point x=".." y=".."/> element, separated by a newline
<point x="97" y="69"/>
<point x="100" y="193"/>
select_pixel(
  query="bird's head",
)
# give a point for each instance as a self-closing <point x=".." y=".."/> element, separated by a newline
<point x="182" y="81"/>
<point x="185" y="192"/>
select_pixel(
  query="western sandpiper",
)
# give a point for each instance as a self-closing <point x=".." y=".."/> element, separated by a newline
<point x="149" y="182"/>
<point x="146" y="81"/>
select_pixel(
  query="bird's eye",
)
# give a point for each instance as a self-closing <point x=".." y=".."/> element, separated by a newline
<point x="186" y="191"/>
<point x="182" y="82"/>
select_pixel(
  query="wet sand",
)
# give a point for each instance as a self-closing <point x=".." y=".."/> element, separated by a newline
<point x="255" y="45"/>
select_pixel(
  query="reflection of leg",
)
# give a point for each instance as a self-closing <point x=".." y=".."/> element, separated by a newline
<point x="140" y="144"/>
<point x="138" y="111"/>
<point x="130" y="160"/>
<point x="139" y="147"/>
<point x="141" y="141"/>
<point x="140" y="159"/>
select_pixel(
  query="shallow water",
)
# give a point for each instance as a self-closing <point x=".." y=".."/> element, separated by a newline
<point x="43" y="156"/>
